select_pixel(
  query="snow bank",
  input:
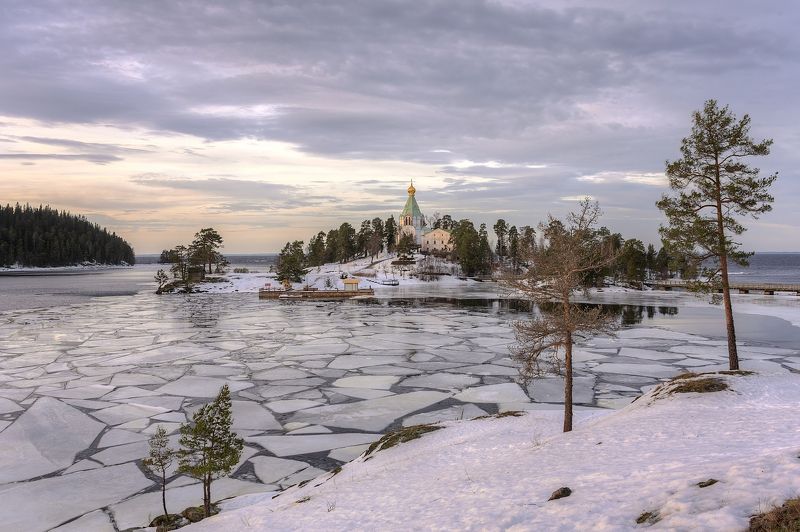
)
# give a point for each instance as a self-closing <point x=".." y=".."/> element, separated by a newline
<point x="497" y="473"/>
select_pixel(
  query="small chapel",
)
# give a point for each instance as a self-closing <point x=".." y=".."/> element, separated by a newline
<point x="412" y="222"/>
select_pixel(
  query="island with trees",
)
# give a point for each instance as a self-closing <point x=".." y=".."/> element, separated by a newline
<point x="44" y="237"/>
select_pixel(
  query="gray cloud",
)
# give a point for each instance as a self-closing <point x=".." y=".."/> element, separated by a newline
<point x="271" y="196"/>
<point x="580" y="87"/>
<point x="82" y="146"/>
<point x="97" y="158"/>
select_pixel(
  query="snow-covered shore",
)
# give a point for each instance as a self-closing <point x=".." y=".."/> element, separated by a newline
<point x="31" y="270"/>
<point x="784" y="306"/>
<point x="497" y="473"/>
<point x="370" y="272"/>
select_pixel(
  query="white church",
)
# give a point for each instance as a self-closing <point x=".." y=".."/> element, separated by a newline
<point x="412" y="222"/>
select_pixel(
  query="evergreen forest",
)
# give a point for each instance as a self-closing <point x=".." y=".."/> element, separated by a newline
<point x="44" y="237"/>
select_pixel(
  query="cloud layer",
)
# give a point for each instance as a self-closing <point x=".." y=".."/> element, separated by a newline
<point x="495" y="107"/>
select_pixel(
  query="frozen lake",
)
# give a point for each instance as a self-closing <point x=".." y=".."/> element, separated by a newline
<point x="83" y="387"/>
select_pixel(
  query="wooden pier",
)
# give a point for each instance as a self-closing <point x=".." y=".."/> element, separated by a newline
<point x="294" y="295"/>
<point x="743" y="288"/>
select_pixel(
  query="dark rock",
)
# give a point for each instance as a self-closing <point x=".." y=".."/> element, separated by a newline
<point x="650" y="518"/>
<point x="707" y="483"/>
<point x="560" y="493"/>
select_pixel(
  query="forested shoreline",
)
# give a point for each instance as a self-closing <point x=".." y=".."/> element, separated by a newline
<point x="46" y="237"/>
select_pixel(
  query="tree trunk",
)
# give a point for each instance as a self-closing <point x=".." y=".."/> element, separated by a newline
<point x="164" y="492"/>
<point x="568" y="383"/>
<point x="733" y="355"/>
<point x="207" y="496"/>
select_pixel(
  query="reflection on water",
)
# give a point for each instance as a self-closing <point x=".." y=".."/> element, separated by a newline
<point x="635" y="314"/>
<point x="704" y="321"/>
<point x="627" y="314"/>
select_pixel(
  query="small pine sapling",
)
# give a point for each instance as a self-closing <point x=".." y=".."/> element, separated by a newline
<point x="209" y="448"/>
<point x="159" y="460"/>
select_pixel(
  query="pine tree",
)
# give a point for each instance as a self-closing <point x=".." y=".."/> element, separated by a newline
<point x="390" y="232"/>
<point x="501" y="231"/>
<point x="158" y="461"/>
<point x="316" y="250"/>
<point x="714" y="188"/>
<point x="405" y="246"/>
<point x="181" y="256"/>
<point x="485" y="250"/>
<point x="204" y="248"/>
<point x="514" y="248"/>
<point x="346" y="245"/>
<point x="209" y="448"/>
<point x="291" y="262"/>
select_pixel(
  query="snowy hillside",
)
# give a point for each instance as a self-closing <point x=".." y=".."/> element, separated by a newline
<point x="642" y="462"/>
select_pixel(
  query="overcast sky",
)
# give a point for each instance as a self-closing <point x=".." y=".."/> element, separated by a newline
<point x="272" y="120"/>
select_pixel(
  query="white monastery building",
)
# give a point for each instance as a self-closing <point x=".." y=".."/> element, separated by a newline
<point x="412" y="222"/>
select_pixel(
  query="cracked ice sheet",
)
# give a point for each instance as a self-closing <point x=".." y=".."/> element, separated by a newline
<point x="648" y="354"/>
<point x="305" y="444"/>
<point x="270" y="470"/>
<point x="494" y="393"/>
<point x="657" y="371"/>
<point x="44" y="439"/>
<point x="371" y="382"/>
<point x="551" y="390"/>
<point x="468" y="411"/>
<point x="661" y="334"/>
<point x="363" y="361"/>
<point x="43" y="504"/>
<point x="372" y="414"/>
<point x="442" y="381"/>
<point x="192" y="386"/>
<point x="96" y="521"/>
<point x="119" y="414"/>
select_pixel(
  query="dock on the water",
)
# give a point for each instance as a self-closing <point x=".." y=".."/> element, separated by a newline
<point x="313" y="293"/>
<point x="743" y="288"/>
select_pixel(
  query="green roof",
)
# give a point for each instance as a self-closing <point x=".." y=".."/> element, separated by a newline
<point x="411" y="208"/>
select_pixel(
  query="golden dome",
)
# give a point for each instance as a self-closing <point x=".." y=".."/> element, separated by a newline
<point x="411" y="189"/>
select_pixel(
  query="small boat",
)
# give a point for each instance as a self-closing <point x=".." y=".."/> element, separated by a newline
<point x="385" y="282"/>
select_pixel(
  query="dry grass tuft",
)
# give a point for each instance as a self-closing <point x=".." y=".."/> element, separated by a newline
<point x="682" y="376"/>
<point x="740" y="372"/>
<point x="785" y="518"/>
<point x="510" y="413"/>
<point x="400" y="436"/>
<point x="704" y="385"/>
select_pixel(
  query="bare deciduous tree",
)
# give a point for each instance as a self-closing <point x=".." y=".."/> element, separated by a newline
<point x="570" y="250"/>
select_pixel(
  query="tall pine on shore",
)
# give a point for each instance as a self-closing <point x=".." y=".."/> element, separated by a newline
<point x="714" y="188"/>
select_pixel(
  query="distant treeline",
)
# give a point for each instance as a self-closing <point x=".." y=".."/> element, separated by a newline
<point x="471" y="250"/>
<point x="42" y="237"/>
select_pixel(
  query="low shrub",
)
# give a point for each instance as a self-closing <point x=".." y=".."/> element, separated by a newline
<point x="784" y="518"/>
